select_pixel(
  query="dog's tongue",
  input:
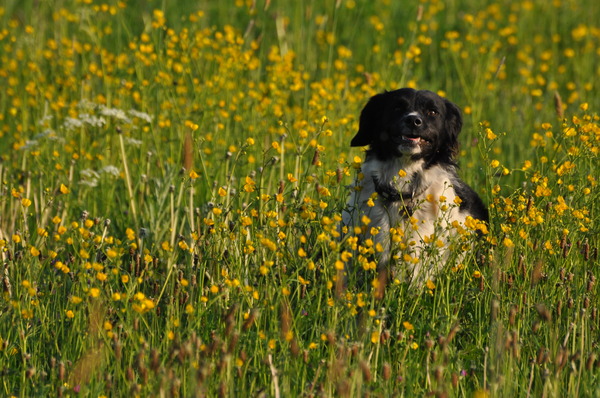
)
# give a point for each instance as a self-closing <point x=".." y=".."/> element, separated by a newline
<point x="412" y="139"/>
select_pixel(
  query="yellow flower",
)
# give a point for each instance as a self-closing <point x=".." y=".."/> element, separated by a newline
<point x="269" y="244"/>
<point x="408" y="326"/>
<point x="70" y="314"/>
<point x="183" y="245"/>
<point x="289" y="335"/>
<point x="430" y="284"/>
<point x="250" y="185"/>
<point x="94" y="292"/>
<point x="64" y="189"/>
<point x="61" y="267"/>
<point x="130" y="234"/>
<point x="139" y="296"/>
<point x="34" y="252"/>
<point x="375" y="337"/>
<point x="143" y="306"/>
<point x="508" y="242"/>
<point x="324" y="191"/>
<point x="84" y="254"/>
<point x="193" y="126"/>
<point x="111" y="253"/>
<point x="26" y="202"/>
<point x="489" y="134"/>
<point x="101" y="276"/>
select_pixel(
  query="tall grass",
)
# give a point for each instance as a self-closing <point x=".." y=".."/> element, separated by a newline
<point x="173" y="176"/>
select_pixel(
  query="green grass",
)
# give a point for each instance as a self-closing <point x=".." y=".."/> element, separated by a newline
<point x="171" y="190"/>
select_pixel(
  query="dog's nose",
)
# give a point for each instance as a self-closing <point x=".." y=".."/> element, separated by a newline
<point x="413" y="121"/>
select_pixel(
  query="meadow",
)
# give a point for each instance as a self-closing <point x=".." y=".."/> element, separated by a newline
<point x="172" y="178"/>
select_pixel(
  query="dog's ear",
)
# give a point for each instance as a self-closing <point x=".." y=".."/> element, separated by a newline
<point x="452" y="125"/>
<point x="371" y="121"/>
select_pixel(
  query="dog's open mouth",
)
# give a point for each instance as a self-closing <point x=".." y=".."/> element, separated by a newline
<point x="412" y="139"/>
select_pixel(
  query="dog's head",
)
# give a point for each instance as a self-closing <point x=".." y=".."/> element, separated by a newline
<point x="407" y="122"/>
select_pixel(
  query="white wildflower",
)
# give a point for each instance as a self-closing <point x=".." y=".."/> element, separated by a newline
<point x="133" y="141"/>
<point x="115" y="113"/>
<point x="110" y="169"/>
<point x="89" y="173"/>
<point x="141" y="115"/>
<point x="93" y="183"/>
<point x="72" y="123"/>
<point x="92" y="120"/>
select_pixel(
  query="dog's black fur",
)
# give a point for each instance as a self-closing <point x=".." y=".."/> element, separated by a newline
<point x="415" y="131"/>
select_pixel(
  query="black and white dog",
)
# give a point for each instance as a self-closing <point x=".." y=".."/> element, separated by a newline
<point x="408" y="197"/>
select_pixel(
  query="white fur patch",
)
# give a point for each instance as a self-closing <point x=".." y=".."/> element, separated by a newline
<point x="425" y="234"/>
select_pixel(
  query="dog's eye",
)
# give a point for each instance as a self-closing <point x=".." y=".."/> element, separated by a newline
<point x="432" y="112"/>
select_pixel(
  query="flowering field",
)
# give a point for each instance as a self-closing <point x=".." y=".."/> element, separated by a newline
<point x="172" y="178"/>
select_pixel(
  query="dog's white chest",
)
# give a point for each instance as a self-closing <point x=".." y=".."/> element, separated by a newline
<point x="424" y="215"/>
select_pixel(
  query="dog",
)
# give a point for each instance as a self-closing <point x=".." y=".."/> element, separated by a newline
<point x="408" y="197"/>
